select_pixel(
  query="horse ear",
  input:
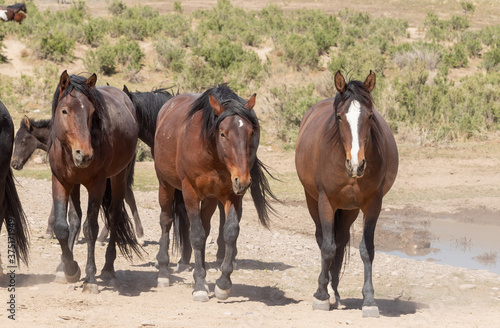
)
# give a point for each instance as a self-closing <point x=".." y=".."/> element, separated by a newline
<point x="370" y="81"/>
<point x="251" y="102"/>
<point x="91" y="81"/>
<point x="218" y="109"/>
<point x="27" y="122"/>
<point x="125" y="89"/>
<point x="339" y="82"/>
<point x="63" y="82"/>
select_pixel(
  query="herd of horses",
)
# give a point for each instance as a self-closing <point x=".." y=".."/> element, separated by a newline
<point x="16" y="12"/>
<point x="205" y="154"/>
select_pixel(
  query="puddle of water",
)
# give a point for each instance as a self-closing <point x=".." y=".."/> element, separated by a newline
<point x="461" y="244"/>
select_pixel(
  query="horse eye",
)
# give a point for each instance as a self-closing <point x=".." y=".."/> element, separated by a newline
<point x="339" y="118"/>
<point x="370" y="117"/>
<point x="222" y="135"/>
<point x="65" y="112"/>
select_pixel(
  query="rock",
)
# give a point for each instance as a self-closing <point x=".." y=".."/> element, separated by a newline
<point x="467" y="287"/>
<point x="148" y="323"/>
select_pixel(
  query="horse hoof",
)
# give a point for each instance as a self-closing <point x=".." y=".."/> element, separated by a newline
<point x="157" y="266"/>
<point x="163" y="282"/>
<point x="200" y="296"/>
<point x="140" y="242"/>
<point x="370" y="312"/>
<point x="181" y="267"/>
<point x="74" y="277"/>
<point x="222" y="294"/>
<point x="89" y="288"/>
<point x="321" y="305"/>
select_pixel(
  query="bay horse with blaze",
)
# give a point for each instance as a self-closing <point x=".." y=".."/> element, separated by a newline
<point x="94" y="137"/>
<point x="347" y="160"/>
<point x="205" y="152"/>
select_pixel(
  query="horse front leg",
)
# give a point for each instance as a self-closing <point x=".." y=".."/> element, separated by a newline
<point x="75" y="216"/>
<point x="221" y="245"/>
<point x="60" y="196"/>
<point x="90" y="231"/>
<point x="321" y="300"/>
<point x="367" y="252"/>
<point x="233" y="210"/>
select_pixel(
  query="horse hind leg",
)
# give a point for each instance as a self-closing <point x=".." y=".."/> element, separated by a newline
<point x="139" y="230"/>
<point x="166" y="198"/>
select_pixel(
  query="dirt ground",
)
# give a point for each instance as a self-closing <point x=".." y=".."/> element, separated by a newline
<point x="277" y="269"/>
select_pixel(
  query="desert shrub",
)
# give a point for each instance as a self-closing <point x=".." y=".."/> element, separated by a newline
<point x="178" y="7"/>
<point x="459" y="23"/>
<point x="456" y="56"/>
<point x="420" y="52"/>
<point x="301" y="51"/>
<point x="199" y="75"/>
<point x="117" y="7"/>
<point x="56" y="46"/>
<point x="173" y="24"/>
<point x="490" y="35"/>
<point x="129" y="54"/>
<point x="467" y="7"/>
<point x="93" y="31"/>
<point x="170" y="55"/>
<point x="491" y="60"/>
<point x="291" y="103"/>
<point x="102" y="60"/>
<point x="472" y="43"/>
<point x="358" y="60"/>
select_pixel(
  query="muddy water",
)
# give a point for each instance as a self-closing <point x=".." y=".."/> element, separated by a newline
<point x="460" y="243"/>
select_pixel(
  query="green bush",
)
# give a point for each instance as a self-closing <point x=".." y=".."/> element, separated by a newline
<point x="491" y="60"/>
<point x="94" y="31"/>
<point x="291" y="103"/>
<point x="199" y="76"/>
<point x="102" y="60"/>
<point x="170" y="55"/>
<point x="56" y="46"/>
<point x="301" y="51"/>
<point x="117" y="7"/>
<point x="456" y="56"/>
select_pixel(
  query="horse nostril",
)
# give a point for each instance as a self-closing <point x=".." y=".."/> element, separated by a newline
<point x="78" y="151"/>
<point x="362" y="165"/>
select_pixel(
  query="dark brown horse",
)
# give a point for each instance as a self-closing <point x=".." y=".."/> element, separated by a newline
<point x="206" y="148"/>
<point x="32" y="135"/>
<point x="11" y="211"/>
<point x="347" y="160"/>
<point x="94" y="136"/>
<point x="12" y="12"/>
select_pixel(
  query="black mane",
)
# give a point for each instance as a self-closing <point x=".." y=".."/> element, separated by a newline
<point x="147" y="106"/>
<point x="100" y="116"/>
<point x="18" y="7"/>
<point x="231" y="102"/>
<point x="37" y="124"/>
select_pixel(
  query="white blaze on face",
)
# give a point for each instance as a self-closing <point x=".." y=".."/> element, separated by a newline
<point x="241" y="123"/>
<point x="3" y="15"/>
<point x="353" y="120"/>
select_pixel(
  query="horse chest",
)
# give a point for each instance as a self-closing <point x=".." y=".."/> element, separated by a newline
<point x="3" y="15"/>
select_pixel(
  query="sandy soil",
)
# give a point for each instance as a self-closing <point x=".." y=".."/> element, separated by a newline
<point x="277" y="269"/>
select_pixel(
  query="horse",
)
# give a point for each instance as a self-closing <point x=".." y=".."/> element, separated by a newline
<point x="206" y="152"/>
<point x="94" y="137"/>
<point x="11" y="210"/>
<point x="32" y="135"/>
<point x="12" y="12"/>
<point x="147" y="106"/>
<point x="347" y="160"/>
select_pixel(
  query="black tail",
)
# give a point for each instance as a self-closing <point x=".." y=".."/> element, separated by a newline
<point x="181" y="221"/>
<point x="125" y="237"/>
<point x="16" y="220"/>
<point x="260" y="191"/>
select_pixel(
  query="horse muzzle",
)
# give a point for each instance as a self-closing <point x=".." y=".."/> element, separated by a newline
<point x="355" y="171"/>
<point x="240" y="187"/>
<point x="17" y="164"/>
<point x="81" y="159"/>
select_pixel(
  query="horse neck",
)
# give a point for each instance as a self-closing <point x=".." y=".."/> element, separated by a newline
<point x="42" y="134"/>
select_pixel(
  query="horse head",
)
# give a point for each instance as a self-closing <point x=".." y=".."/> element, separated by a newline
<point x="72" y="118"/>
<point x="25" y="144"/>
<point x="236" y="139"/>
<point x="354" y="114"/>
